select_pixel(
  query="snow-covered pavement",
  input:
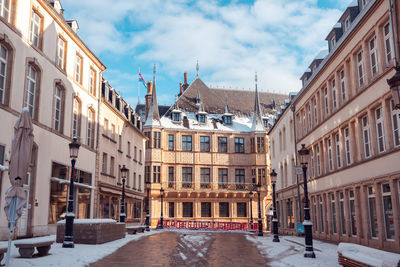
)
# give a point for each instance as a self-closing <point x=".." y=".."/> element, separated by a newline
<point x="289" y="251"/>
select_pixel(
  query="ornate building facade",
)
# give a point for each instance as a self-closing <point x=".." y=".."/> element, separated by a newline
<point x="207" y="152"/>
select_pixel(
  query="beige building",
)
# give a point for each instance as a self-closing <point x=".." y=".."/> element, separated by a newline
<point x="121" y="142"/>
<point x="46" y="67"/>
<point x="207" y="152"/>
<point x="344" y="114"/>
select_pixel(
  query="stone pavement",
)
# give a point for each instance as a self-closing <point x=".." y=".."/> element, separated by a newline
<point x="172" y="248"/>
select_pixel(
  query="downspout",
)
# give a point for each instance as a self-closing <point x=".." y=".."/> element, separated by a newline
<point x="97" y="174"/>
<point x="293" y="108"/>
<point x="393" y="22"/>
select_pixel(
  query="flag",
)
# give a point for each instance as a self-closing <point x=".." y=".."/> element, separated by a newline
<point x="141" y="79"/>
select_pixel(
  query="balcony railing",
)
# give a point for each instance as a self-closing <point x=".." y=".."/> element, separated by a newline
<point x="205" y="185"/>
<point x="210" y="186"/>
<point x="187" y="184"/>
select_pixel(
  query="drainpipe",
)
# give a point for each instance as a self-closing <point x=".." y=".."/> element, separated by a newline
<point x="393" y="22"/>
<point x="293" y="108"/>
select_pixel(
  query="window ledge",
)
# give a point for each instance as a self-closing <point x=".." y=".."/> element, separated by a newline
<point x="120" y="151"/>
<point x="128" y="156"/>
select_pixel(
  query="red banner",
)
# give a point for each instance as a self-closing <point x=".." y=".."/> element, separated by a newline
<point x="208" y="225"/>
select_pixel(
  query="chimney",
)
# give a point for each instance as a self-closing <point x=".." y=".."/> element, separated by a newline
<point x="185" y="122"/>
<point x="148" y="97"/>
<point x="180" y="89"/>
<point x="185" y="84"/>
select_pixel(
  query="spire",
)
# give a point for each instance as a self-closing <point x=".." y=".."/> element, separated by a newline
<point x="197" y="69"/>
<point x="153" y="117"/>
<point x="227" y="109"/>
<point x="198" y="99"/>
<point x="257" y="121"/>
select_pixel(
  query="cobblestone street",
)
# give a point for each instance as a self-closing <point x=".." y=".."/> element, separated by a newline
<point x="187" y="249"/>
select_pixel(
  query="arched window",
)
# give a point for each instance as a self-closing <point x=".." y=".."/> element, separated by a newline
<point x="32" y="90"/>
<point x="58" y="108"/>
<point x="76" y="118"/>
<point x="6" y="61"/>
<point x="3" y="71"/>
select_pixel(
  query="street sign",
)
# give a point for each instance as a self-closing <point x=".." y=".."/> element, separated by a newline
<point x="299" y="170"/>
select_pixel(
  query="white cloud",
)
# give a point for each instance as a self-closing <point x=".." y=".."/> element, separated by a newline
<point x="276" y="38"/>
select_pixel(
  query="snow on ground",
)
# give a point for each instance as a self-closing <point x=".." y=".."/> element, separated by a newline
<point x="289" y="251"/>
<point x="81" y="255"/>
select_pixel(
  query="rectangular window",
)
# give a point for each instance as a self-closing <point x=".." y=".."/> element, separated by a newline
<point x="35" y="29"/>
<point x="2" y="152"/>
<point x="338" y="156"/>
<point x="171" y="209"/>
<point x="205" y="178"/>
<point x="204" y="143"/>
<point x="315" y="111"/>
<point x="352" y="209"/>
<point x="112" y="131"/>
<point x="388" y="42"/>
<point x="31" y="83"/>
<point x="206" y="209"/>
<point x="60" y="53"/>
<point x="347" y="145"/>
<point x="92" y="82"/>
<point x="260" y="144"/>
<point x="76" y="118"/>
<point x="186" y="177"/>
<point x="303" y="112"/>
<point x="156" y="139"/>
<point x="104" y="163"/>
<point x="171" y="177"/>
<point x="366" y="136"/>
<point x="224" y="209"/>
<point x="239" y="178"/>
<point x="5" y="9"/>
<point x="57" y="108"/>
<point x="380" y="129"/>
<point x="314" y="213"/>
<point x="321" y="214"/>
<point x="239" y="145"/>
<point x="147" y="174"/>
<point x="241" y="209"/>
<point x="330" y="158"/>
<point x="309" y="116"/>
<point x="105" y="127"/>
<point x="333" y="212"/>
<point x="373" y="218"/>
<point x="395" y="123"/>
<point x="170" y="142"/>
<point x="140" y="156"/>
<point x="90" y="129"/>
<point x="222" y="178"/>
<point x="112" y="162"/>
<point x="3" y="71"/>
<point x="148" y="142"/>
<point x="318" y="165"/>
<point x="186" y="143"/>
<point x="78" y="68"/>
<point x="252" y="145"/>
<point x="326" y="101"/>
<point x="343" y="85"/>
<point x="222" y="144"/>
<point x="187" y="209"/>
<point x="135" y="153"/>
<point x="128" y="153"/>
<point x="312" y="173"/>
<point x="334" y="101"/>
<point x="373" y="54"/>
<point x="342" y="214"/>
<point x="388" y="211"/>
<point x="360" y="68"/>
<point x="156" y="174"/>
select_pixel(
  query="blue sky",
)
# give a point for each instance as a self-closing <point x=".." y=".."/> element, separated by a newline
<point x="230" y="39"/>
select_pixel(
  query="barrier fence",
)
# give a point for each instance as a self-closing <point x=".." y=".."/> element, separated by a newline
<point x="208" y="225"/>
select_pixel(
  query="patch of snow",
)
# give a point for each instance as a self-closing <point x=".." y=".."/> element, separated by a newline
<point x="182" y="256"/>
<point x="89" y="221"/>
<point x="35" y="240"/>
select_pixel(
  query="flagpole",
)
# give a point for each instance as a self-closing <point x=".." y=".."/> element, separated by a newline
<point x="138" y="87"/>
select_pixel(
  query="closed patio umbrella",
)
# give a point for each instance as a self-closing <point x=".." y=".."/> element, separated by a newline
<point x="21" y="150"/>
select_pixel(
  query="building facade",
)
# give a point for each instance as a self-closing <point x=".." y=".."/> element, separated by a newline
<point x="345" y="116"/>
<point x="121" y="143"/>
<point x="47" y="68"/>
<point x="207" y="152"/>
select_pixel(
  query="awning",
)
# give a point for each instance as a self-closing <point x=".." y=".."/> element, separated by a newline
<point x="63" y="181"/>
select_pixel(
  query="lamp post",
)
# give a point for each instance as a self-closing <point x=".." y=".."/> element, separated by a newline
<point x="309" y="252"/>
<point x="148" y="204"/>
<point x="273" y="175"/>
<point x="251" y="208"/>
<point x="394" y="84"/>
<point x="260" y="227"/>
<point x="124" y="172"/>
<point x="69" y="218"/>
<point x="162" y="208"/>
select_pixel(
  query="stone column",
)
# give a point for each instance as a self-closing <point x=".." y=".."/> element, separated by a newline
<point x="363" y="198"/>
<point x="367" y="62"/>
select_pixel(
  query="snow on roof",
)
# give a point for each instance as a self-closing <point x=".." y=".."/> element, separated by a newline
<point x="338" y="25"/>
<point x="354" y="3"/>
<point x="322" y="54"/>
<point x="239" y="123"/>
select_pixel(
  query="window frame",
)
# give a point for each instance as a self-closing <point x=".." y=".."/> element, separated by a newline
<point x="373" y="53"/>
<point x="380" y="124"/>
<point x="366" y="136"/>
<point x="222" y="146"/>
<point x="171" y="142"/>
<point x="388" y="43"/>
<point x="78" y="67"/>
<point x="187" y="143"/>
<point x="35" y="29"/>
<point x="205" y="143"/>
<point x="61" y="53"/>
<point x="58" y="106"/>
<point x="239" y="144"/>
<point x="395" y="120"/>
<point x="360" y="68"/>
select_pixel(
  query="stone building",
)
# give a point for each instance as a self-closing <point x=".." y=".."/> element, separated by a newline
<point x="207" y="152"/>
<point x="45" y="66"/>
<point x="344" y="114"/>
<point x="121" y="142"/>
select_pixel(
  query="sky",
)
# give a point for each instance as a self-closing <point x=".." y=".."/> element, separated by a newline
<point x="230" y="40"/>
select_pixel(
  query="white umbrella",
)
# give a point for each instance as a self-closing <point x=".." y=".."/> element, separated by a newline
<point x="21" y="150"/>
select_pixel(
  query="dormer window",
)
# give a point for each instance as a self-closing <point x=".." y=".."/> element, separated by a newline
<point x="202" y="118"/>
<point x="333" y="42"/>
<point x="176" y="116"/>
<point x="228" y="120"/>
<point x="347" y="24"/>
<point x="265" y="121"/>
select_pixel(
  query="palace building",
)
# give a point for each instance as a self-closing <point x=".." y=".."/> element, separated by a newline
<point x="207" y="152"/>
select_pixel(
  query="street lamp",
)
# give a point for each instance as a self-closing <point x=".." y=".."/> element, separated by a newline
<point x="162" y="208"/>
<point x="304" y="157"/>
<point x="69" y="218"/>
<point x="273" y="175"/>
<point x="124" y="172"/>
<point x="148" y="204"/>
<point x="251" y="208"/>
<point x="260" y="231"/>
<point x="394" y="84"/>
